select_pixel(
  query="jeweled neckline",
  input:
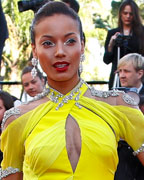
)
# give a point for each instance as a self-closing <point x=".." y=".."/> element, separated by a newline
<point x="58" y="98"/>
<point x="61" y="99"/>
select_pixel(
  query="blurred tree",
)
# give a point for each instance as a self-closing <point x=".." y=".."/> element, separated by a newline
<point x="17" y="49"/>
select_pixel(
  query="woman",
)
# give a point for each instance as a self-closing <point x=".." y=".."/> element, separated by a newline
<point x="70" y="131"/>
<point x="32" y="86"/>
<point x="129" y="36"/>
<point x="6" y="102"/>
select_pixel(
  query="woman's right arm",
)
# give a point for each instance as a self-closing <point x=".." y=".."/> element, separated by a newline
<point x="16" y="176"/>
<point x="109" y="44"/>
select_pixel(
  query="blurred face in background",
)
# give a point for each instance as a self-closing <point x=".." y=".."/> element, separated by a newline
<point x="127" y="16"/>
<point x="2" y="110"/>
<point x="32" y="86"/>
<point x="129" y="77"/>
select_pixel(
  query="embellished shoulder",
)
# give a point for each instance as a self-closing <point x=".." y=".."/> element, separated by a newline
<point x="103" y="94"/>
<point x="116" y="97"/>
<point x="15" y="112"/>
<point x="11" y="112"/>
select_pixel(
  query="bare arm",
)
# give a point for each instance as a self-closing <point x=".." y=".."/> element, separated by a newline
<point x="141" y="157"/>
<point x="16" y="176"/>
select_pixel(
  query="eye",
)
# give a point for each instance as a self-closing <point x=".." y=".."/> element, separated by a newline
<point x="25" y="85"/>
<point x="33" y="82"/>
<point x="70" y="41"/>
<point x="48" y="43"/>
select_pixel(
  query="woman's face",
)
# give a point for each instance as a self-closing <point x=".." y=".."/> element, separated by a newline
<point x="127" y="16"/>
<point x="2" y="110"/>
<point x="58" y="47"/>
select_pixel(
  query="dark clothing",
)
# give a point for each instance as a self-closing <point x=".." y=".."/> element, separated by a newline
<point x="142" y="91"/>
<point x="129" y="45"/>
<point x="3" y="30"/>
<point x="129" y="167"/>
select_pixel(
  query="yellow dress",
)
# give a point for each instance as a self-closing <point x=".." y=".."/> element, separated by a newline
<point x="35" y="142"/>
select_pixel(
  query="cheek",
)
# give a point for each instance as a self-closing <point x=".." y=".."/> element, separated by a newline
<point x="75" y="56"/>
<point x="1" y="114"/>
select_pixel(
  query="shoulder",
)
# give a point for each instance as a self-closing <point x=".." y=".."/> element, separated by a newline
<point x="16" y="112"/>
<point x="116" y="97"/>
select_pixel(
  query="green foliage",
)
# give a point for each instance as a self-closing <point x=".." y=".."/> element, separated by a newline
<point x="96" y="20"/>
<point x="19" y="38"/>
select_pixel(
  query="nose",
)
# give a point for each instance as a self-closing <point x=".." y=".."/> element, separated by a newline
<point x="30" y="87"/>
<point x="60" y="51"/>
<point x="128" y="15"/>
<point x="121" y="74"/>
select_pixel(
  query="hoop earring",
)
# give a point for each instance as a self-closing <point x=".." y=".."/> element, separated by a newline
<point x="34" y="69"/>
<point x="82" y="58"/>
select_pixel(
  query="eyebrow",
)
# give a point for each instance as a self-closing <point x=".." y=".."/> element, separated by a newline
<point x="66" y="35"/>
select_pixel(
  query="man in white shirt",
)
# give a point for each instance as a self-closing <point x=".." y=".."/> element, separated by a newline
<point x="131" y="71"/>
<point x="131" y="74"/>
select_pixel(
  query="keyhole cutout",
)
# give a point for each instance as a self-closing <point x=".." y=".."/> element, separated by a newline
<point x="73" y="141"/>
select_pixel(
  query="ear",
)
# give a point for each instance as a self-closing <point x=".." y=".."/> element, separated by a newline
<point x="82" y="47"/>
<point x="140" y="73"/>
<point x="34" y="50"/>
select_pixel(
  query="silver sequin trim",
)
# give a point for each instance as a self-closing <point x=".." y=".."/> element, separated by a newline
<point x="75" y="92"/>
<point x="8" y="113"/>
<point x="103" y="94"/>
<point x="8" y="171"/>
<point x="141" y="149"/>
<point x="129" y="100"/>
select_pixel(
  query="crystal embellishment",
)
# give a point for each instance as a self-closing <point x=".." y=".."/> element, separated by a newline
<point x="103" y="94"/>
<point x="129" y="100"/>
<point x="141" y="149"/>
<point x="8" y="113"/>
<point x="56" y="97"/>
<point x="8" y="171"/>
<point x="34" y="72"/>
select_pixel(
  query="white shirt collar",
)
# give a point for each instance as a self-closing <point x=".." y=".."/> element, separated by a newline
<point x="138" y="89"/>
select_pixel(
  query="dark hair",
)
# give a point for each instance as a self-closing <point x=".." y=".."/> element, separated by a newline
<point x="7" y="99"/>
<point x="51" y="8"/>
<point x="28" y="69"/>
<point x="137" y="26"/>
<point x="73" y="4"/>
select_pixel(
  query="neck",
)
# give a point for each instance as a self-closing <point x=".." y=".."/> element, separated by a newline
<point x="138" y="84"/>
<point x="126" y="29"/>
<point x="63" y="86"/>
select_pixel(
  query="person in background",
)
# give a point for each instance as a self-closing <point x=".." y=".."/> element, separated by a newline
<point x="6" y="102"/>
<point x="131" y="74"/>
<point x="70" y="131"/>
<point x="131" y="71"/>
<point x="32" y="86"/>
<point x="129" y="35"/>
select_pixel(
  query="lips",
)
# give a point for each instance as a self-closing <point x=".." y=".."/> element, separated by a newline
<point x="61" y="66"/>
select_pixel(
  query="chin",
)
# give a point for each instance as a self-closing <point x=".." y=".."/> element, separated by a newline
<point x="64" y="77"/>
